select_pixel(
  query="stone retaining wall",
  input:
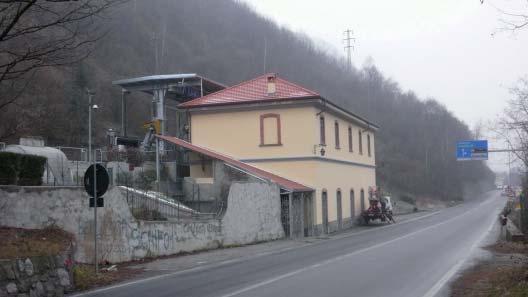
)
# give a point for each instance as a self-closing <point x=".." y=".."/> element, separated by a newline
<point x="36" y="276"/>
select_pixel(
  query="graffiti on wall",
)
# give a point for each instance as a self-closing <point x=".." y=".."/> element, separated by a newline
<point x="123" y="238"/>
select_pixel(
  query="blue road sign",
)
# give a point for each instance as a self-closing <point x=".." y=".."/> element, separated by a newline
<point x="472" y="150"/>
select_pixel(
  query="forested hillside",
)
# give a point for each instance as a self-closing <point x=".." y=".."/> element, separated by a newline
<point x="225" y="41"/>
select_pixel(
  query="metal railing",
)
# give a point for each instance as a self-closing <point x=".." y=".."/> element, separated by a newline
<point x="152" y="205"/>
<point x="74" y="153"/>
<point x="134" y="173"/>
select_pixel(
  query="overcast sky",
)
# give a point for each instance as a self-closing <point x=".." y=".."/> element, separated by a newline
<point x="444" y="49"/>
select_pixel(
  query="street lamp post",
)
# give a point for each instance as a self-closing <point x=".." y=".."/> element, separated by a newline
<point x="91" y="107"/>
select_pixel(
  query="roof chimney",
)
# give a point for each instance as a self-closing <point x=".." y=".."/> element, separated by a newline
<point x="272" y="87"/>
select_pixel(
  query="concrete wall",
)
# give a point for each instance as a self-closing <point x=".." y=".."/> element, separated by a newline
<point x="204" y="194"/>
<point x="207" y="186"/>
<point x="124" y="238"/>
<point x="253" y="214"/>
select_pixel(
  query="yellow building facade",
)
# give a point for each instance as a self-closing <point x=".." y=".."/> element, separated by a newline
<point x="302" y="137"/>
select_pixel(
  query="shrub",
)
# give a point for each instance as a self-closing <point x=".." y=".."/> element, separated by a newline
<point x="83" y="276"/>
<point x="31" y="170"/>
<point x="408" y="198"/>
<point x="124" y="178"/>
<point x="19" y="169"/>
<point x="9" y="166"/>
<point x="147" y="214"/>
<point x="145" y="179"/>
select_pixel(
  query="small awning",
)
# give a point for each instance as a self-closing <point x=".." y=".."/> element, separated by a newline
<point x="281" y="181"/>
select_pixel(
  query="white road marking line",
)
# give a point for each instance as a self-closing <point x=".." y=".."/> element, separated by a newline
<point x="96" y="291"/>
<point x="203" y="267"/>
<point x="386" y="226"/>
<point x="339" y="258"/>
<point x="451" y="272"/>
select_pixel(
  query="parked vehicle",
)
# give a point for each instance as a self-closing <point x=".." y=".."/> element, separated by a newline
<point x="379" y="209"/>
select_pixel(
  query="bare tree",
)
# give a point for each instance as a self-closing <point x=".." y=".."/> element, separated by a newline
<point x="42" y="33"/>
<point x="513" y="21"/>
<point x="478" y="129"/>
<point x="512" y="125"/>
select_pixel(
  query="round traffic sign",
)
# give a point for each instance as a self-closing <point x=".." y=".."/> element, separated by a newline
<point x="103" y="180"/>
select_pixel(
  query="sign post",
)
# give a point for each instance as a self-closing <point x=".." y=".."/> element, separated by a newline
<point x="96" y="181"/>
<point x="95" y="211"/>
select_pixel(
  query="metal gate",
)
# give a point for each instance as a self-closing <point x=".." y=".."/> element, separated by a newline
<point x="285" y="214"/>
<point x="297" y="228"/>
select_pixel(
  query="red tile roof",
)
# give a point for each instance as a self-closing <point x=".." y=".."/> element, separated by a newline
<point x="255" y="90"/>
<point x="281" y="181"/>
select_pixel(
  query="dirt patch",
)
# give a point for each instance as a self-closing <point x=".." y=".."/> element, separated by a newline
<point x="21" y="243"/>
<point x="507" y="247"/>
<point x="492" y="281"/>
<point x="429" y="203"/>
<point x="85" y="278"/>
<point x="506" y="274"/>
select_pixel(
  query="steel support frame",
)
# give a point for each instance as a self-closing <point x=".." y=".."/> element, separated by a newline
<point x="124" y="92"/>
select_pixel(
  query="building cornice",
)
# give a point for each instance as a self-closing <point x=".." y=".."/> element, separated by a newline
<point x="318" y="102"/>
<point x="307" y="158"/>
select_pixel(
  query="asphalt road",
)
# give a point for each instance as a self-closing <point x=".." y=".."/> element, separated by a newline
<point x="415" y="258"/>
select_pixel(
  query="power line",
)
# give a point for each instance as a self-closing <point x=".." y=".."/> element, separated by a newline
<point x="349" y="46"/>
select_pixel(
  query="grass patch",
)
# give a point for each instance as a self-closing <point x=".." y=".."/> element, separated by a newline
<point x="84" y="276"/>
<point x="22" y="243"/>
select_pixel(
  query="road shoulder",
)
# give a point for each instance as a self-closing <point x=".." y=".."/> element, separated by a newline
<point x="504" y="274"/>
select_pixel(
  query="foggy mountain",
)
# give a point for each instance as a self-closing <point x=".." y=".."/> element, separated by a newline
<point x="228" y="42"/>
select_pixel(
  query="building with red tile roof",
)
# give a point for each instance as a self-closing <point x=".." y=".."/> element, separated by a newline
<point x="294" y="133"/>
<point x="253" y="91"/>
